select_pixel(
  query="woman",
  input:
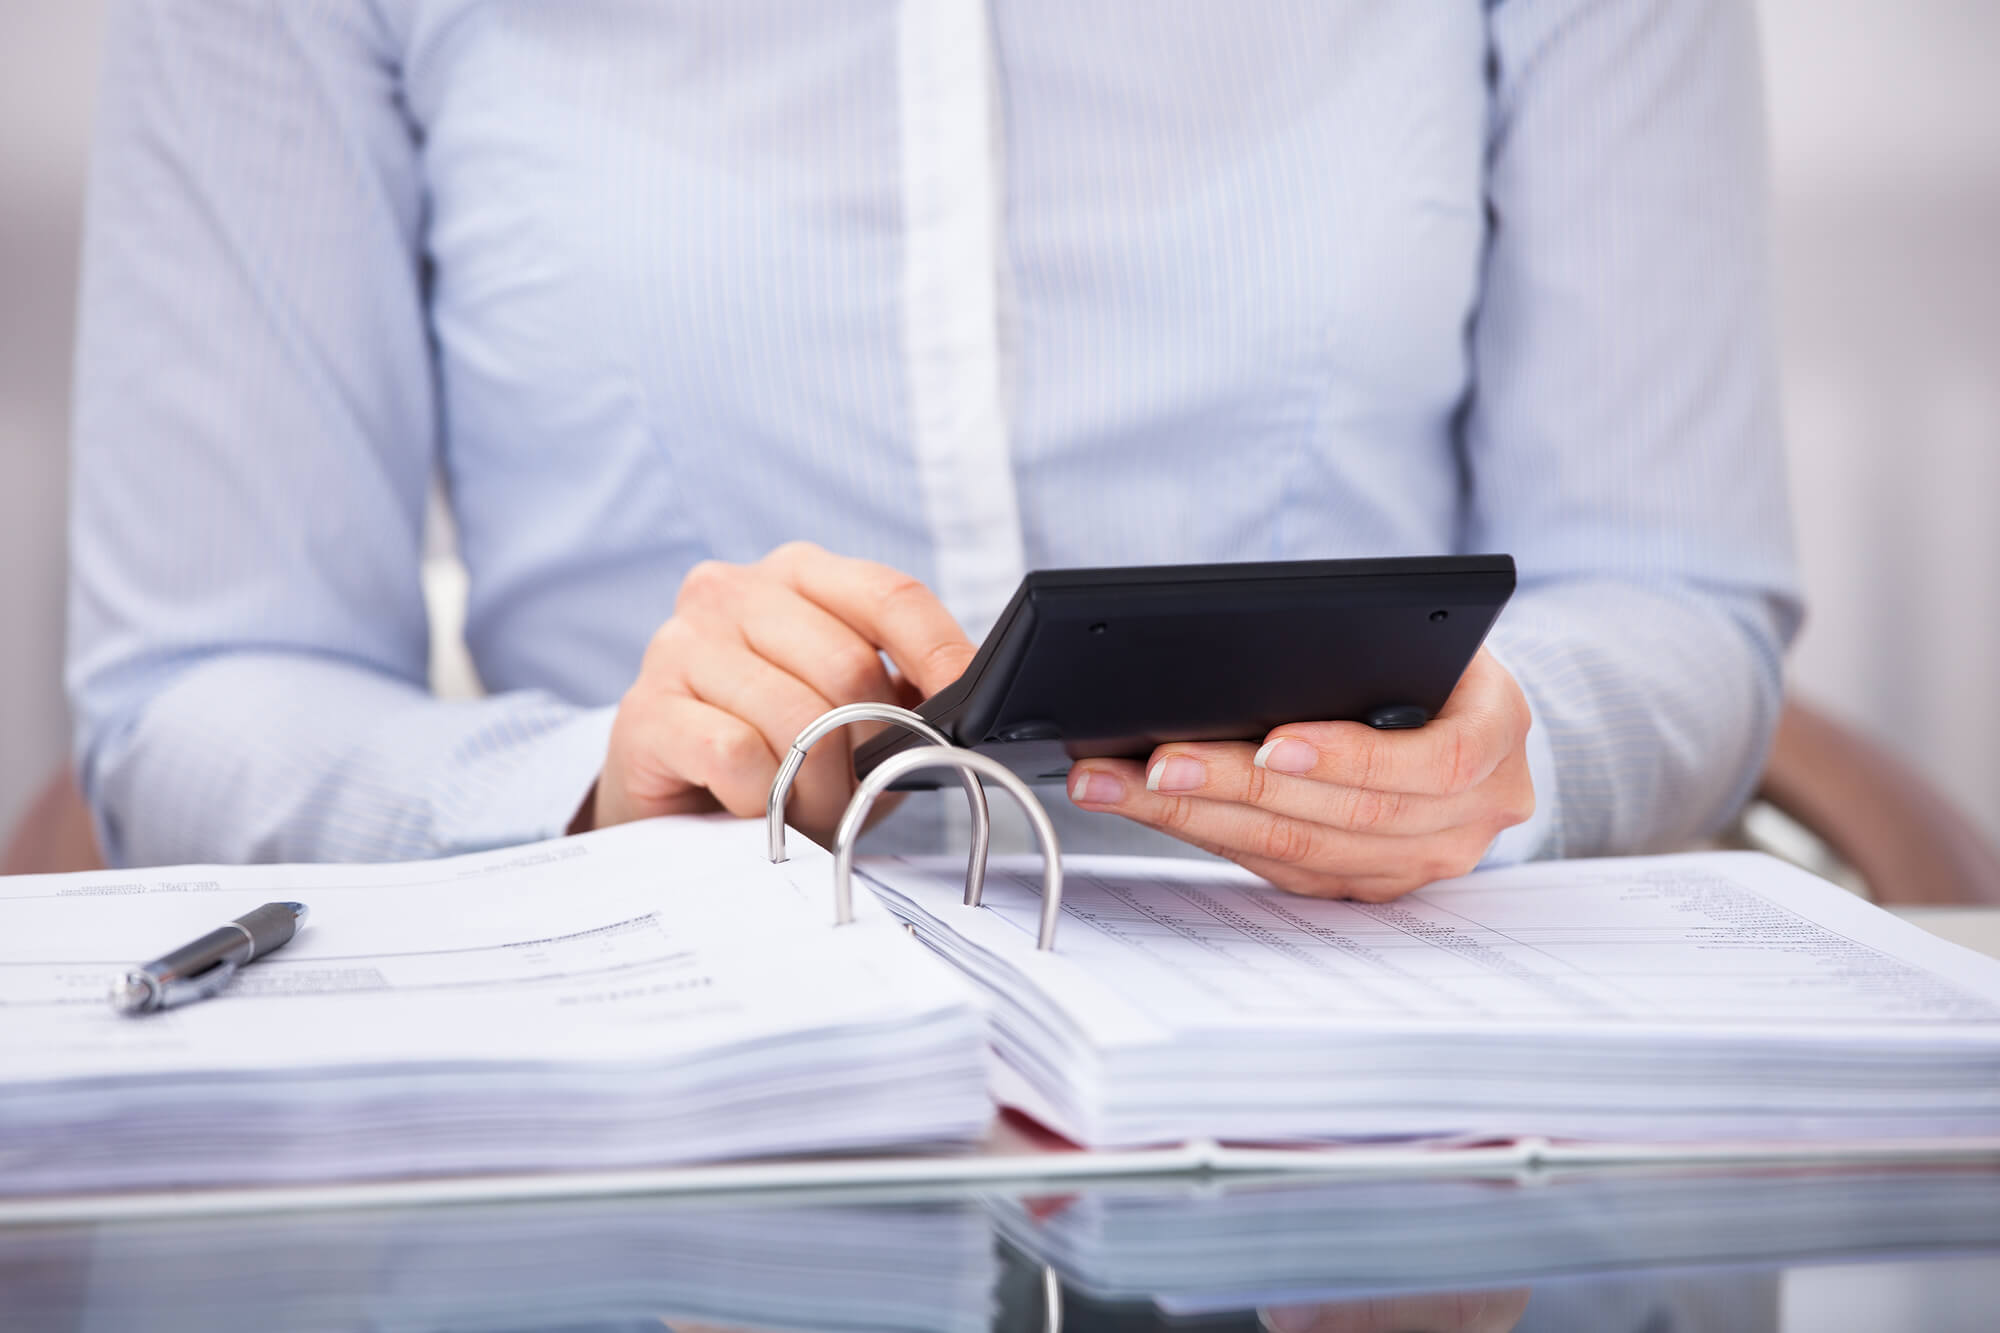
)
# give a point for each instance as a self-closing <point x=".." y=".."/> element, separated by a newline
<point x="715" y="317"/>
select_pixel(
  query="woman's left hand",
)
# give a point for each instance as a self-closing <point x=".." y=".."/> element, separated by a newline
<point x="1339" y="809"/>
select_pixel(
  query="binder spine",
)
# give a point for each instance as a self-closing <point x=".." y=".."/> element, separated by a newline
<point x="974" y="766"/>
<point x="833" y="720"/>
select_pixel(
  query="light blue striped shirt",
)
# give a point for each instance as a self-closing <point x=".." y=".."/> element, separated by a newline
<point x="965" y="289"/>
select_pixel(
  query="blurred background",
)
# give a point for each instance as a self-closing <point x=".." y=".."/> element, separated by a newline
<point x="1885" y="125"/>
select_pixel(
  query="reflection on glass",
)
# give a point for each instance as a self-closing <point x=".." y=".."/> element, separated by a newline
<point x="1711" y="1302"/>
<point x="1286" y="1244"/>
<point x="1725" y="1301"/>
<point x="1431" y="1312"/>
<point x="1645" y="1252"/>
<point x="600" y="1264"/>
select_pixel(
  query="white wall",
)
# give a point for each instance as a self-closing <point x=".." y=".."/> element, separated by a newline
<point x="48" y="69"/>
<point x="1886" y="128"/>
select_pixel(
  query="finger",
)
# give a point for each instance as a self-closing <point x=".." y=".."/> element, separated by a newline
<point x="1506" y="799"/>
<point x="888" y="608"/>
<point x="1240" y="830"/>
<point x="1485" y="719"/>
<point x="703" y="745"/>
<point x="1307" y="883"/>
<point x="1317" y="883"/>
<point x="1226" y="771"/>
<point x="637" y="784"/>
<point x="799" y="637"/>
<point x="730" y="677"/>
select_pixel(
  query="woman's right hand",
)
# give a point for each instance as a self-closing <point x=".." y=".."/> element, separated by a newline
<point x="752" y="654"/>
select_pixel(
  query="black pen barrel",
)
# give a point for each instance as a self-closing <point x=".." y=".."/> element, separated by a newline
<point x="271" y="925"/>
<point x="223" y="943"/>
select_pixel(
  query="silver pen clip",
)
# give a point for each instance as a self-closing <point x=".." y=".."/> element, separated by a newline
<point x="199" y="969"/>
<point x="200" y="986"/>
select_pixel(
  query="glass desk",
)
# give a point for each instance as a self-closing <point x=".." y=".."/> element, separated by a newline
<point x="1657" y="1251"/>
<point x="1738" y="1250"/>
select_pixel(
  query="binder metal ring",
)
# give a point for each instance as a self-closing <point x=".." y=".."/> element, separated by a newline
<point x="969" y="762"/>
<point x="832" y="720"/>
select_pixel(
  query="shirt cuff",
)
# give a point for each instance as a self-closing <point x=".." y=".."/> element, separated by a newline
<point x="540" y="794"/>
<point x="1535" y="838"/>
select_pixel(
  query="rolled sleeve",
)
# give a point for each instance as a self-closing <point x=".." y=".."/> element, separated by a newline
<point x="1535" y="837"/>
<point x="1622" y="438"/>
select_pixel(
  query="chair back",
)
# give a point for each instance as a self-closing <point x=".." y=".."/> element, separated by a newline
<point x="1909" y="843"/>
<point x="55" y="834"/>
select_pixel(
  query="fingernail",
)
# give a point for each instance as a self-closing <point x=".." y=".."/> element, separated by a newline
<point x="1094" y="788"/>
<point x="1287" y="754"/>
<point x="1177" y="772"/>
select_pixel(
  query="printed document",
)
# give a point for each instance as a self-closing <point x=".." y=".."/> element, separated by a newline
<point x="1659" y="996"/>
<point x="652" y="993"/>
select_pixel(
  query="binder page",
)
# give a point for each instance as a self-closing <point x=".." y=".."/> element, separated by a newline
<point x="670" y="934"/>
<point x="1707" y="941"/>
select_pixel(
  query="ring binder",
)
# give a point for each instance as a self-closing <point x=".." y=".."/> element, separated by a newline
<point x="835" y="718"/>
<point x="894" y="769"/>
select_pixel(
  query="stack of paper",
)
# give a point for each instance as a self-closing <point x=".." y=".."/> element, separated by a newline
<point x="649" y="994"/>
<point x="1292" y="1243"/>
<point x="605" y="1264"/>
<point x="1685" y="998"/>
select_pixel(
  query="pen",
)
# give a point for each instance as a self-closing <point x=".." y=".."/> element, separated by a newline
<point x="198" y="970"/>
